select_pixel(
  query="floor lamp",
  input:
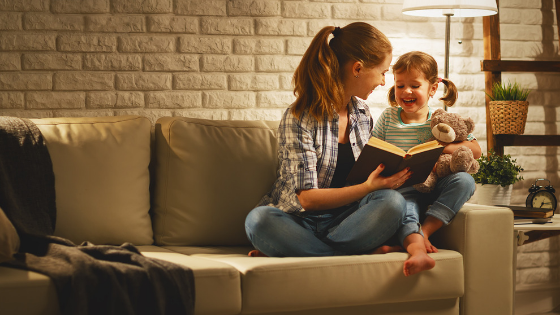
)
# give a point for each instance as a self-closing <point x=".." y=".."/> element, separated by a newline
<point x="449" y="8"/>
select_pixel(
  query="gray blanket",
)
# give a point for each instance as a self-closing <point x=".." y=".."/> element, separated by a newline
<point x="90" y="279"/>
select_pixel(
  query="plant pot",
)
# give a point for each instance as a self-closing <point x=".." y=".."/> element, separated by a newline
<point x="492" y="195"/>
<point x="508" y="117"/>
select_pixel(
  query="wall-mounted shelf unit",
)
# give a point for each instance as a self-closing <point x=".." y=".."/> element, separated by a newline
<point x="493" y="66"/>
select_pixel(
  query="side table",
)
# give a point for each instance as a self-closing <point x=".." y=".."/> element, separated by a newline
<point x="528" y="233"/>
<point x="531" y="232"/>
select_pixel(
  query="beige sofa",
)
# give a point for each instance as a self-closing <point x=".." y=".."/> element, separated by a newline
<point x="183" y="195"/>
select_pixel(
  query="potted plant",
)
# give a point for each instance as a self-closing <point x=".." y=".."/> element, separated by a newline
<point x="495" y="178"/>
<point x="508" y="108"/>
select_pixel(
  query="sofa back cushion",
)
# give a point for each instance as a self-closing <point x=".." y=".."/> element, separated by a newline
<point x="101" y="178"/>
<point x="208" y="176"/>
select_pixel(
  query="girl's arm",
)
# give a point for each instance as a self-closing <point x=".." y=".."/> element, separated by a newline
<point x="473" y="145"/>
<point x="329" y="198"/>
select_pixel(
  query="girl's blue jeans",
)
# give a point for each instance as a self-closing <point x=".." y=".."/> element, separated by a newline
<point x="359" y="229"/>
<point x="443" y="203"/>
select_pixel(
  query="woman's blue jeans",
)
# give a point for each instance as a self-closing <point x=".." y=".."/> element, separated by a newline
<point x="357" y="230"/>
<point x="443" y="203"/>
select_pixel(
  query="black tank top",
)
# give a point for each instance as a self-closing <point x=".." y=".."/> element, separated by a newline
<point x="343" y="165"/>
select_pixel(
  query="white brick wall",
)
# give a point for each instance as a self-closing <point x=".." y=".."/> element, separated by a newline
<point x="234" y="59"/>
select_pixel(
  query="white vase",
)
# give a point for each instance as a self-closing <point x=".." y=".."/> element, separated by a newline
<point x="492" y="195"/>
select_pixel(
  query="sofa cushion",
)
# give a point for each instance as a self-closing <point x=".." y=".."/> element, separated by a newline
<point x="9" y="239"/>
<point x="27" y="292"/>
<point x="209" y="175"/>
<point x="101" y="178"/>
<point x="217" y="286"/>
<point x="296" y="284"/>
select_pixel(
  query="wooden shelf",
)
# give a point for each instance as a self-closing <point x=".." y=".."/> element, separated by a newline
<point x="520" y="66"/>
<point x="493" y="66"/>
<point x="501" y="141"/>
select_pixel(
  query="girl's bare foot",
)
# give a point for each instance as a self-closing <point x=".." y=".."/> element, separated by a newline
<point x="256" y="253"/>
<point x="387" y="249"/>
<point x="429" y="247"/>
<point x="416" y="263"/>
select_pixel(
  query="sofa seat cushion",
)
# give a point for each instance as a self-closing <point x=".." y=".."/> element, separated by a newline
<point x="26" y="292"/>
<point x="217" y="286"/>
<point x="295" y="284"/>
<point x="102" y="178"/>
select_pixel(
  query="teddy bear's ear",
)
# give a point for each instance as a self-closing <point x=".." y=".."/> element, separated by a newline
<point x="470" y="124"/>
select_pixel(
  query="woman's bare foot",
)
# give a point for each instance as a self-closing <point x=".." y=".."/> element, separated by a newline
<point x="429" y="247"/>
<point x="256" y="253"/>
<point x="416" y="263"/>
<point x="387" y="249"/>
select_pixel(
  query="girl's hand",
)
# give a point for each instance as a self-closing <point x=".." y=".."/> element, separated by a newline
<point x="375" y="181"/>
<point x="473" y="145"/>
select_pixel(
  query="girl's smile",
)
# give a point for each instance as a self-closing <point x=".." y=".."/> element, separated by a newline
<point x="412" y="93"/>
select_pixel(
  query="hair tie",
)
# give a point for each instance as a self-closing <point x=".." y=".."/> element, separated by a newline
<point x="336" y="31"/>
<point x="439" y="80"/>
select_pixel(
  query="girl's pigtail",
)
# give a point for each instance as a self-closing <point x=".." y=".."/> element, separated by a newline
<point x="392" y="98"/>
<point x="451" y="96"/>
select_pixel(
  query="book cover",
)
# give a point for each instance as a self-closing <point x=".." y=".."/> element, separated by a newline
<point x="421" y="160"/>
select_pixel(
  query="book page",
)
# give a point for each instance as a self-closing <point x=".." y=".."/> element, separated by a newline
<point x="378" y="143"/>
<point x="424" y="147"/>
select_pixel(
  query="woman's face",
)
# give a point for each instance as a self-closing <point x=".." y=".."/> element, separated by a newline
<point x="370" y="78"/>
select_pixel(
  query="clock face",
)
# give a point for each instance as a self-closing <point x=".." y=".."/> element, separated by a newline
<point x="543" y="199"/>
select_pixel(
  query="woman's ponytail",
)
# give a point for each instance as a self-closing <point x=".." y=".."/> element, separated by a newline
<point x="317" y="84"/>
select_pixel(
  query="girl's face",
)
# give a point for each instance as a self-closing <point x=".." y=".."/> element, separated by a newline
<point x="413" y="90"/>
<point x="370" y="78"/>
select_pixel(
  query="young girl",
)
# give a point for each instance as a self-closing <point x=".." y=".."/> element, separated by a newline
<point x="310" y="210"/>
<point x="406" y="124"/>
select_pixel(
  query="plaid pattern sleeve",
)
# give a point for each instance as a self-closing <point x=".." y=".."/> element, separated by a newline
<point x="308" y="152"/>
<point x="297" y="143"/>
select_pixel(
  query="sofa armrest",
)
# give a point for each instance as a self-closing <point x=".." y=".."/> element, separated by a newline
<point x="484" y="236"/>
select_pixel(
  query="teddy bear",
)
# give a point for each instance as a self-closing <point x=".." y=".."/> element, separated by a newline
<point x="447" y="128"/>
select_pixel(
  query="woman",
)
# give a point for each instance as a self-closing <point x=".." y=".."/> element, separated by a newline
<point x="310" y="210"/>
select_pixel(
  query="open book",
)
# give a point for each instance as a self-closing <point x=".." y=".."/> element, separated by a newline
<point x="421" y="160"/>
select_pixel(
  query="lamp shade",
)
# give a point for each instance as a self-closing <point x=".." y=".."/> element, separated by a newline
<point x="457" y="8"/>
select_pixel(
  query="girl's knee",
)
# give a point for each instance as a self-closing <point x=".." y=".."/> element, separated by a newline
<point x="463" y="181"/>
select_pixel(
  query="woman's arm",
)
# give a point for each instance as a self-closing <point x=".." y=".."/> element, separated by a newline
<point x="329" y="198"/>
<point x="473" y="145"/>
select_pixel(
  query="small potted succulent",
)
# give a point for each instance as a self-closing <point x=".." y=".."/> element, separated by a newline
<point x="508" y="108"/>
<point x="495" y="178"/>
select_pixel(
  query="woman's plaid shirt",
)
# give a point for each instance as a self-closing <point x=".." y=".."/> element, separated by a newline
<point x="308" y="151"/>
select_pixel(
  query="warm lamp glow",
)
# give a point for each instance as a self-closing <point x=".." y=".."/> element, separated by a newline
<point x="449" y="8"/>
<point x="456" y="8"/>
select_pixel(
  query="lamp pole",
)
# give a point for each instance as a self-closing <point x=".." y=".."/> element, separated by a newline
<point x="447" y="41"/>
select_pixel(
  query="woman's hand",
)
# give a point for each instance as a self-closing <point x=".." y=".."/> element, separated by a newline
<point x="329" y="198"/>
<point x="375" y="181"/>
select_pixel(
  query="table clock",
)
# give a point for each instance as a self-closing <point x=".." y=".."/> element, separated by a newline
<point x="541" y="196"/>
